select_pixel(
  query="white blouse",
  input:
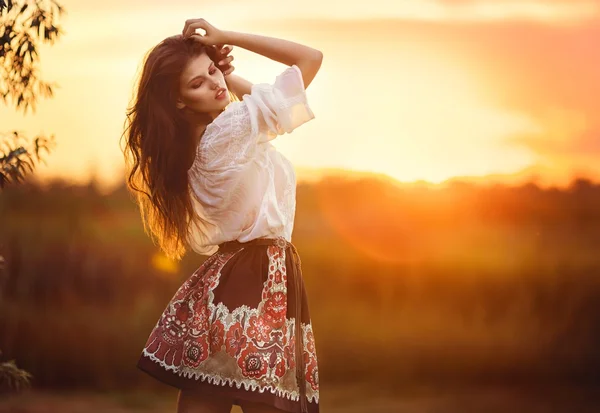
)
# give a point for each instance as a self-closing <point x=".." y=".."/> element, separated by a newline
<point x="241" y="187"/>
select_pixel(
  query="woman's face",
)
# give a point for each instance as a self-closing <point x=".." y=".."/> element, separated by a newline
<point x="199" y="84"/>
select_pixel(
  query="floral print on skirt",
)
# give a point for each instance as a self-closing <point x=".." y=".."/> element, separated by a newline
<point x="230" y="331"/>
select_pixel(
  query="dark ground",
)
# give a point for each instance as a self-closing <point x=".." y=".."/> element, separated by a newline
<point x="334" y="400"/>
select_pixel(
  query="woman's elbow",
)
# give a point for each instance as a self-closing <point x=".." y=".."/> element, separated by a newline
<point x="310" y="67"/>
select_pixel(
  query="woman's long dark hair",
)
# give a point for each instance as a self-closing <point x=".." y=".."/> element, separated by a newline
<point x="160" y="146"/>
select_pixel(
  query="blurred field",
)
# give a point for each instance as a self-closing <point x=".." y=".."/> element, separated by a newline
<point x="486" y="297"/>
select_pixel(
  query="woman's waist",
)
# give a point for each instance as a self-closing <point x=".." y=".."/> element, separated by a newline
<point x="279" y="241"/>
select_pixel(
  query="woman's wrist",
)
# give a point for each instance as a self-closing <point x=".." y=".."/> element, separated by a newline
<point x="229" y="37"/>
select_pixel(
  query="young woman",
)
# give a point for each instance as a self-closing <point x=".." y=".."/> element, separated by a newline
<point x="206" y="177"/>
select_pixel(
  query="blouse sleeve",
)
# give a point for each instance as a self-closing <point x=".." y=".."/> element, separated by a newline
<point x="268" y="111"/>
<point x="280" y="107"/>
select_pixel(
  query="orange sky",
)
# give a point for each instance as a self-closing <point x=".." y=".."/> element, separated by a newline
<point x="416" y="90"/>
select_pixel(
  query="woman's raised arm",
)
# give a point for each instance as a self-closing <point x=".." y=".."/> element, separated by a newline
<point x="287" y="52"/>
<point x="283" y="51"/>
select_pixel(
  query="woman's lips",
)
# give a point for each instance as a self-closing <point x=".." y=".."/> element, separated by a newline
<point x="222" y="93"/>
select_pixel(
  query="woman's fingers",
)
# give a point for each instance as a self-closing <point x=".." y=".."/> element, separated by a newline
<point x="223" y="50"/>
<point x="228" y="71"/>
<point x="187" y="27"/>
<point x="191" y="25"/>
<point x="212" y="36"/>
<point x="228" y="59"/>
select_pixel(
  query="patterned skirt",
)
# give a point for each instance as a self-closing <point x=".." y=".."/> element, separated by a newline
<point x="231" y="329"/>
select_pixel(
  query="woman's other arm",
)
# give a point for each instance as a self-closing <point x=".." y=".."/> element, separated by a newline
<point x="238" y="85"/>
<point x="287" y="52"/>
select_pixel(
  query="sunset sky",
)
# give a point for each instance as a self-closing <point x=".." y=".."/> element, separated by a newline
<point x="417" y="90"/>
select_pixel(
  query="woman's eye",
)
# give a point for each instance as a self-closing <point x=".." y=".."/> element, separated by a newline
<point x="196" y="86"/>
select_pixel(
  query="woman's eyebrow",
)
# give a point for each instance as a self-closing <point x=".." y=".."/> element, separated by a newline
<point x="196" y="77"/>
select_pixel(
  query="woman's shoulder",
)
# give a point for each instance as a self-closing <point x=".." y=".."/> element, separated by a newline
<point x="233" y="121"/>
<point x="225" y="139"/>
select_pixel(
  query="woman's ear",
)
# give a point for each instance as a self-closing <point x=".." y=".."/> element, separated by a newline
<point x="180" y="104"/>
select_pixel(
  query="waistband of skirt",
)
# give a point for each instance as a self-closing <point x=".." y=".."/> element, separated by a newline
<point x="278" y="241"/>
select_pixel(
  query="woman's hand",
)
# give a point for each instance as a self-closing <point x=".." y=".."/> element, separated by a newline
<point x="222" y="52"/>
<point x="212" y="37"/>
<point x="225" y="63"/>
